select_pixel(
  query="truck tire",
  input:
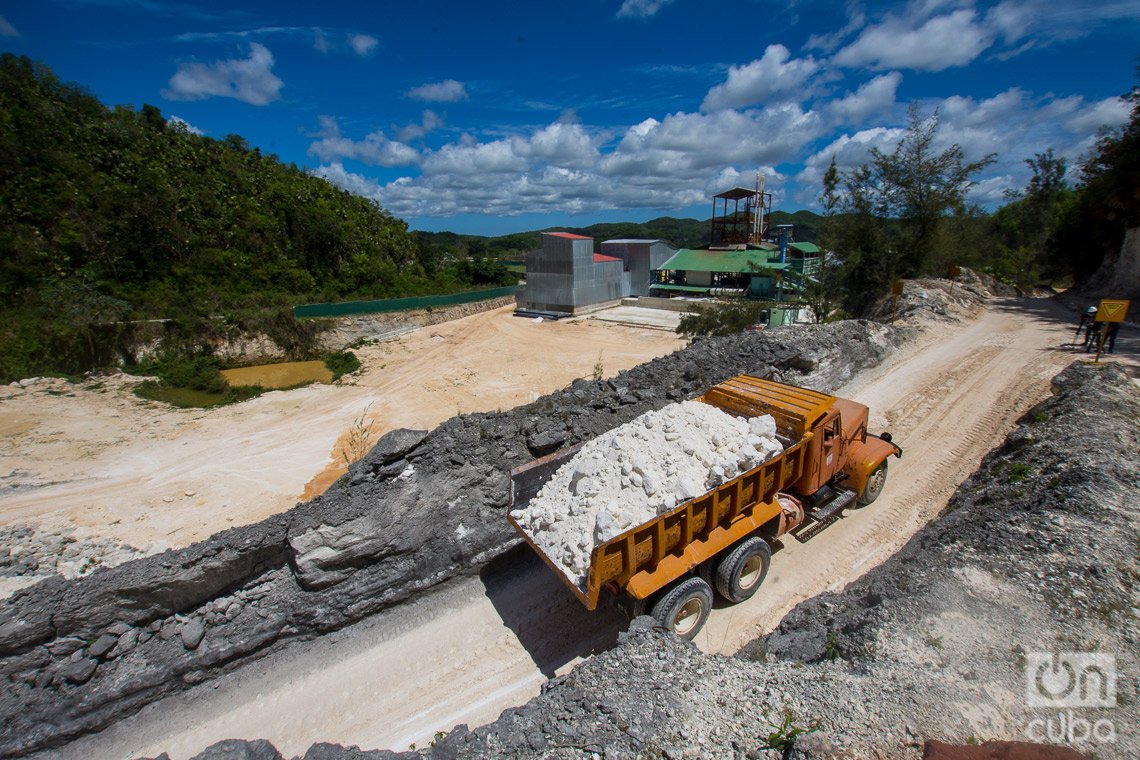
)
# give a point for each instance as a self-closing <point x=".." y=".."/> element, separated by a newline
<point x="874" y="485"/>
<point x="741" y="571"/>
<point x="685" y="607"/>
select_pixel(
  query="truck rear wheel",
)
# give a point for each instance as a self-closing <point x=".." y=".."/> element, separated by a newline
<point x="874" y="485"/>
<point x="685" y="607"/>
<point x="742" y="570"/>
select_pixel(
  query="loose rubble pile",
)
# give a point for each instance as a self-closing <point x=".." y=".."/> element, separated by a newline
<point x="27" y="551"/>
<point x="946" y="300"/>
<point x="644" y="468"/>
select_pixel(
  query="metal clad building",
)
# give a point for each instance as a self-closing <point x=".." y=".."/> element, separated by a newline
<point x="567" y="277"/>
<point x="641" y="257"/>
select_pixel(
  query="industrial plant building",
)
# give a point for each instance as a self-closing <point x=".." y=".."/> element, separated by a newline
<point x="744" y="258"/>
<point x="641" y="259"/>
<point x="567" y="277"/>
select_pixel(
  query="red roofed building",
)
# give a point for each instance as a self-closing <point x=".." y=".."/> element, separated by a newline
<point x="567" y="277"/>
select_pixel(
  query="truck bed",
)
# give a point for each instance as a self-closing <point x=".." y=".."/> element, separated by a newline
<point x="644" y="558"/>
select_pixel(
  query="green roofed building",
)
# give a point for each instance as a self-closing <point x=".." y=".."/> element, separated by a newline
<point x="751" y="269"/>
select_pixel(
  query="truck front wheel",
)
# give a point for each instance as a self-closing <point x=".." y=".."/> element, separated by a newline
<point x="741" y="571"/>
<point x="685" y="607"/>
<point x="874" y="486"/>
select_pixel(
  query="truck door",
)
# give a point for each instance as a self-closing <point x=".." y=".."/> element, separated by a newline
<point x="831" y="451"/>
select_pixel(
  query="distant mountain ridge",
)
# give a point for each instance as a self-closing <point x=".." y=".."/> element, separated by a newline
<point x="683" y="233"/>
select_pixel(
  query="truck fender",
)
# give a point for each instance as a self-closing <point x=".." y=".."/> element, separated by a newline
<point x="864" y="457"/>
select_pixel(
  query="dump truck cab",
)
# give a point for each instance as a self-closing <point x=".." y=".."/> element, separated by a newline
<point x="843" y="463"/>
<point x="842" y="453"/>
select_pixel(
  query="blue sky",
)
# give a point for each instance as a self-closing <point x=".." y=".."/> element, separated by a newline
<point x="500" y="117"/>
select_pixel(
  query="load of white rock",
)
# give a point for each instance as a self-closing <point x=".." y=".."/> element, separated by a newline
<point x="635" y="472"/>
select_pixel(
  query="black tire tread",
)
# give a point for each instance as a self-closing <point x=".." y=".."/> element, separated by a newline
<point x="665" y="607"/>
<point x="729" y="566"/>
<point x="862" y="498"/>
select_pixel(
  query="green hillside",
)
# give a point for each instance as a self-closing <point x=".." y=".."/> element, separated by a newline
<point x="109" y="216"/>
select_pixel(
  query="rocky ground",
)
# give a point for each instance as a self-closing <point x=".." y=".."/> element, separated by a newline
<point x="1035" y="556"/>
<point x="419" y="509"/>
<point x="27" y="552"/>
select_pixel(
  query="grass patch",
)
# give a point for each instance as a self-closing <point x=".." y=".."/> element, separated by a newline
<point x="831" y="649"/>
<point x="783" y="736"/>
<point x="342" y="363"/>
<point x="191" y="398"/>
<point x="200" y="373"/>
<point x="187" y="382"/>
<point x="1018" y="472"/>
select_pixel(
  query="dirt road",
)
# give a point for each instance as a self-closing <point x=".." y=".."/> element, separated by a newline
<point x="482" y="645"/>
<point x="93" y="455"/>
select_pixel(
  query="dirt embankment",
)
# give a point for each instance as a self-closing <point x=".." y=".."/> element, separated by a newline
<point x="965" y="636"/>
<point x="419" y="509"/>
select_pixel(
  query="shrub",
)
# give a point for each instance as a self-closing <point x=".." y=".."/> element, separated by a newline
<point x="342" y="363"/>
<point x="200" y="373"/>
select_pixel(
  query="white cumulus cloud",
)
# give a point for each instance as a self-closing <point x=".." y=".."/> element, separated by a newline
<point x="447" y="91"/>
<point x="376" y="148"/>
<point x="362" y="44"/>
<point x="563" y="144"/>
<point x="1110" y="113"/>
<point x="641" y="8"/>
<point x="933" y="44"/>
<point x="564" y="166"/>
<point x="773" y="73"/>
<point x="250" y="80"/>
<point x="874" y="97"/>
<point x="430" y="121"/>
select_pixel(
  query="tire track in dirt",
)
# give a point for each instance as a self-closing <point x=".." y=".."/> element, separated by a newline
<point x="946" y="418"/>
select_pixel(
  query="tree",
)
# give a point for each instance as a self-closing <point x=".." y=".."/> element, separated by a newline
<point x="1107" y="201"/>
<point x="1025" y="226"/>
<point x="727" y="317"/>
<point x="894" y="212"/>
<point x="870" y="263"/>
<point x="822" y="293"/>
<point x="918" y="186"/>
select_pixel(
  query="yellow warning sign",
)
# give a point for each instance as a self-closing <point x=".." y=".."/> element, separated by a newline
<point x="1112" y="310"/>
<point x="897" y="288"/>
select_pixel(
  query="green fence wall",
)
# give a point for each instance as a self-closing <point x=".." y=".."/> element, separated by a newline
<point x="398" y="304"/>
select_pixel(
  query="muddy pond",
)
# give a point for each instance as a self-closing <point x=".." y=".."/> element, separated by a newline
<point x="285" y="375"/>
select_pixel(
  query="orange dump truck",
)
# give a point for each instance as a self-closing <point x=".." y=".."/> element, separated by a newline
<point x="722" y="538"/>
